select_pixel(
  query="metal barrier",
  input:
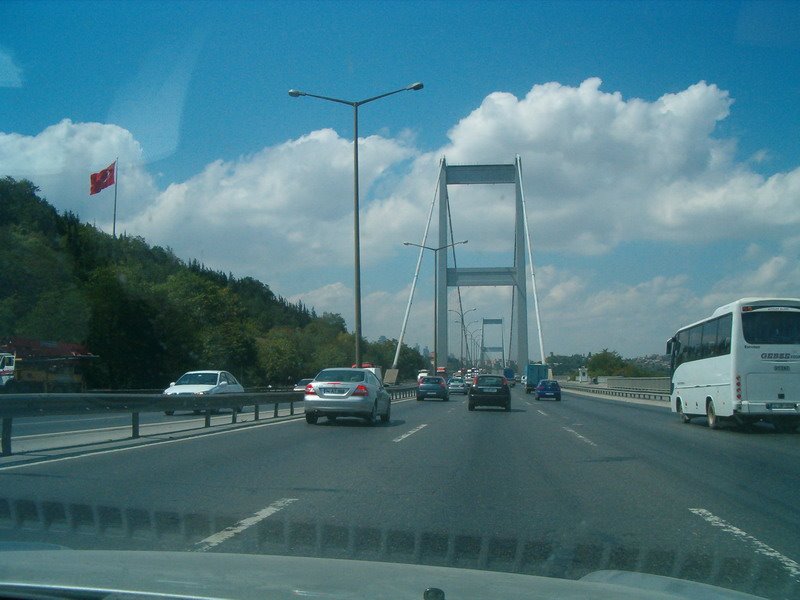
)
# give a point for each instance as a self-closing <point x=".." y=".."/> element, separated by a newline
<point x="40" y="405"/>
<point x="619" y="393"/>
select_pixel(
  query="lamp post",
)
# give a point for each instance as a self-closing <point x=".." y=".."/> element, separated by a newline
<point x="356" y="232"/>
<point x="435" y="289"/>
<point x="463" y="330"/>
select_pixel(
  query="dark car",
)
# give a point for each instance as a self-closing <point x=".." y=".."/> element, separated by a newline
<point x="548" y="388"/>
<point x="432" y="387"/>
<point x="489" y="390"/>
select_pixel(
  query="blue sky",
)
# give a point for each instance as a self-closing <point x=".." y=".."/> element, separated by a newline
<point x="659" y="144"/>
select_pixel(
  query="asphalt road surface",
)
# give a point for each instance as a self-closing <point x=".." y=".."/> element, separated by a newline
<point x="551" y="488"/>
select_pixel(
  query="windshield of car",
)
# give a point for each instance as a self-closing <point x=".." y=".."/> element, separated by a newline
<point x="197" y="379"/>
<point x="379" y="195"/>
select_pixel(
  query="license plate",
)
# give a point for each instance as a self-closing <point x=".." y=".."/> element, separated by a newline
<point x="779" y="405"/>
<point x="490" y="390"/>
<point x="339" y="391"/>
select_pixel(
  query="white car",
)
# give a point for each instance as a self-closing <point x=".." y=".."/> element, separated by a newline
<point x="199" y="383"/>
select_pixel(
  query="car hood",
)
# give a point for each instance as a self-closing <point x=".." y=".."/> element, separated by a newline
<point x="188" y="389"/>
<point x="209" y="575"/>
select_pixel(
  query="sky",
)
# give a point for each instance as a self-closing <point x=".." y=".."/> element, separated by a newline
<point x="659" y="144"/>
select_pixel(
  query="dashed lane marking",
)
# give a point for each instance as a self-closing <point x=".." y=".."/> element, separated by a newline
<point x="792" y="567"/>
<point x="408" y="433"/>
<point x="227" y="533"/>
<point x="579" y="436"/>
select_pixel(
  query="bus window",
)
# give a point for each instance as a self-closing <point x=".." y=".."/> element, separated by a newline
<point x="771" y="327"/>
<point x="709" y="344"/>
<point x="724" y="335"/>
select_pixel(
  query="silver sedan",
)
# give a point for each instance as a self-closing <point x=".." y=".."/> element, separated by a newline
<point x="343" y="392"/>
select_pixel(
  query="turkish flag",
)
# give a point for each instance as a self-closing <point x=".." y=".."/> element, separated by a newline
<point x="102" y="179"/>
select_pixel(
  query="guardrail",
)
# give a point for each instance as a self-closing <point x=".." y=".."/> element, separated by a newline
<point x="41" y="405"/>
<point x="619" y="393"/>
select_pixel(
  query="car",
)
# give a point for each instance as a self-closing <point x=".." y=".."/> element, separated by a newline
<point x="200" y="383"/>
<point x="457" y="385"/>
<point x="300" y="386"/>
<point x="432" y="386"/>
<point x="489" y="390"/>
<point x="347" y="392"/>
<point x="548" y="388"/>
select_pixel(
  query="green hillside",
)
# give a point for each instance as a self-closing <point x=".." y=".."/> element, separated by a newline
<point x="150" y="316"/>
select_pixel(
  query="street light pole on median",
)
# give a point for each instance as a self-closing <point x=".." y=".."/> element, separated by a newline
<point x="435" y="297"/>
<point x="356" y="231"/>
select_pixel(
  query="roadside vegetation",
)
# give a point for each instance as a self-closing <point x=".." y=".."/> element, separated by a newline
<point x="150" y="316"/>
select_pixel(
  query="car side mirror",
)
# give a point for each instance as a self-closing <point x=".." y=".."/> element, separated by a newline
<point x="171" y="383"/>
<point x="223" y="383"/>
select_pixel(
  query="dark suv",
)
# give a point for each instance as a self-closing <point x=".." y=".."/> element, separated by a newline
<point x="548" y="388"/>
<point x="489" y="390"/>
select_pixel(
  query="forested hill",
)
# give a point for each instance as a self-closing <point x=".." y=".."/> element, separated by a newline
<point x="150" y="316"/>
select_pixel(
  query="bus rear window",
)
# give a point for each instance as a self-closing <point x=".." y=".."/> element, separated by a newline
<point x="771" y="327"/>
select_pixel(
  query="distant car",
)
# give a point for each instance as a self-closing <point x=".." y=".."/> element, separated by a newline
<point x="432" y="387"/>
<point x="457" y="385"/>
<point x="343" y="392"/>
<point x="200" y="383"/>
<point x="548" y="388"/>
<point x="300" y="386"/>
<point x="489" y="390"/>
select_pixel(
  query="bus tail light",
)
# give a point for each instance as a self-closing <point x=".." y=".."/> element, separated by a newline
<point x="738" y="387"/>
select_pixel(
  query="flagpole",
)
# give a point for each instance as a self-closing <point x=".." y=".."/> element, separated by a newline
<point x="116" y="183"/>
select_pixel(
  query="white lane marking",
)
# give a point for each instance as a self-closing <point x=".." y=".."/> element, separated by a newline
<point x="229" y="532"/>
<point x="541" y="412"/>
<point x="408" y="433"/>
<point x="194" y="436"/>
<point x="585" y="439"/>
<point x="760" y="547"/>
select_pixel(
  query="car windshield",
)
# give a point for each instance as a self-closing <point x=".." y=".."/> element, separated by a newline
<point x="197" y="379"/>
<point x="530" y="197"/>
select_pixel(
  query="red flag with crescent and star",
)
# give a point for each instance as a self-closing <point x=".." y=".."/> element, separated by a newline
<point x="102" y="179"/>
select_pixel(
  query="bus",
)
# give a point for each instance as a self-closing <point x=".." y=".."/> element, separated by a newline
<point x="740" y="365"/>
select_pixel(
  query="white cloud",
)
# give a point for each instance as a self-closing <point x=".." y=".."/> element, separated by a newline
<point x="60" y="159"/>
<point x="600" y="171"/>
<point x="10" y="73"/>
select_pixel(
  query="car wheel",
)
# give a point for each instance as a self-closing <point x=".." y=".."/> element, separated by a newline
<point x="311" y="419"/>
<point x="558" y="398"/>
<point x="508" y="406"/>
<point x="169" y="413"/>
<point x="373" y="415"/>
<point x="388" y="414"/>
<point x="471" y="406"/>
<point x="331" y="418"/>
<point x="684" y="417"/>
<point x="713" y="419"/>
<point x="419" y="398"/>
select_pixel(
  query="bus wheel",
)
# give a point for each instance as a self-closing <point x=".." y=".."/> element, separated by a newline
<point x="713" y="420"/>
<point x="684" y="417"/>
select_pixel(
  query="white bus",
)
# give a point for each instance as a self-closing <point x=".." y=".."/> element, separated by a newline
<point x="742" y="364"/>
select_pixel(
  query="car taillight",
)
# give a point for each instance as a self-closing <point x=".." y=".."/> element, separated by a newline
<point x="361" y="390"/>
<point x="310" y="390"/>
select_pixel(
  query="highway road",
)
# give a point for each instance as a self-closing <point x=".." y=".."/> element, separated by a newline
<point x="550" y="488"/>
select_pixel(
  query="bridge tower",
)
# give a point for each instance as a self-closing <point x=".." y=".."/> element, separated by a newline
<point x="513" y="276"/>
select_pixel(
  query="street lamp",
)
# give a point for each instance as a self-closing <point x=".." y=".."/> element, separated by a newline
<point x="435" y="289"/>
<point x="463" y="330"/>
<point x="356" y="232"/>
